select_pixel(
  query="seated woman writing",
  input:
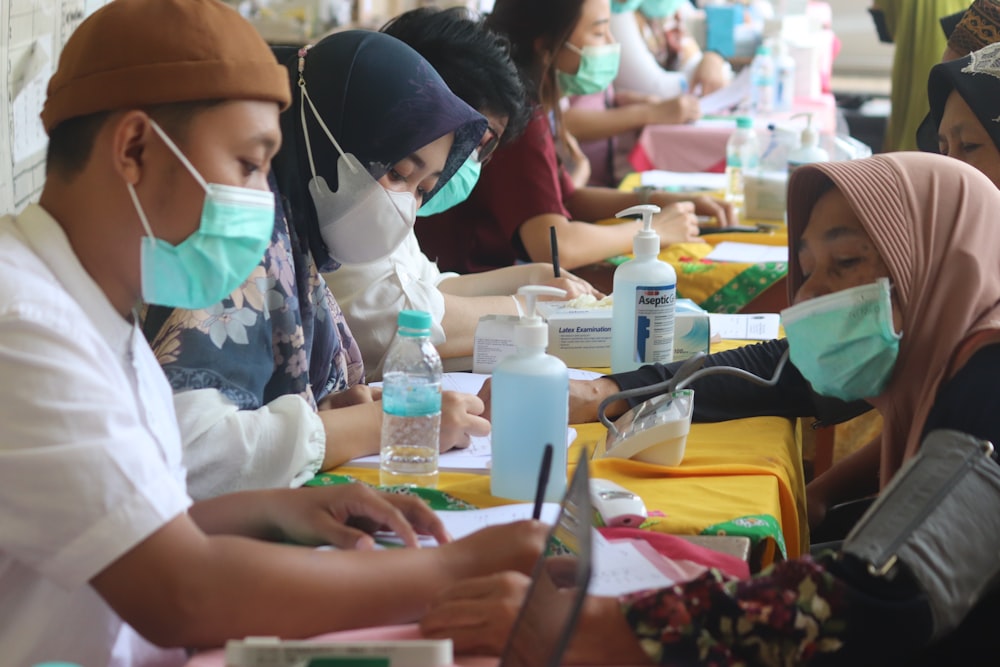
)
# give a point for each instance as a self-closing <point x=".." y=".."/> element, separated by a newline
<point x="897" y="293"/>
<point x="524" y="191"/>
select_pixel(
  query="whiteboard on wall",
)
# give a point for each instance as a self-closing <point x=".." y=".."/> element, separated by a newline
<point x="32" y="34"/>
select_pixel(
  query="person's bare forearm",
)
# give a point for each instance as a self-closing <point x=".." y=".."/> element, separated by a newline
<point x="854" y="476"/>
<point x="461" y="315"/>
<point x="351" y="432"/>
<point x="592" y="204"/>
<point x="594" y="124"/>
<point x="580" y="243"/>
<point x="498" y="282"/>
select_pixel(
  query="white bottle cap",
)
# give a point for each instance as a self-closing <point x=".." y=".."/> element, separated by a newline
<point x="647" y="241"/>
<point x="531" y="331"/>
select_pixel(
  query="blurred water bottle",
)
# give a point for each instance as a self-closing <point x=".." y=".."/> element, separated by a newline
<point x="762" y="80"/>
<point x="411" y="405"/>
<point x="784" y="76"/>
<point x="742" y="155"/>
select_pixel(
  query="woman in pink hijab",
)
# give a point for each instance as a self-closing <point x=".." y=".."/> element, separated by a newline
<point x="896" y="283"/>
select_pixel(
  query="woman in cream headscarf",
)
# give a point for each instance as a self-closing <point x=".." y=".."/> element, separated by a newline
<point x="917" y="233"/>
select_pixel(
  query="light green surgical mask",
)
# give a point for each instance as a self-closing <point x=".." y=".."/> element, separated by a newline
<point x="203" y="269"/>
<point x="844" y="343"/>
<point x="598" y="68"/>
<point x="456" y="190"/>
<point x="624" y="6"/>
<point x="658" y="9"/>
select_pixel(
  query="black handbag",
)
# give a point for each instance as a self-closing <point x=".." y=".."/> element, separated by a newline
<point x="940" y="518"/>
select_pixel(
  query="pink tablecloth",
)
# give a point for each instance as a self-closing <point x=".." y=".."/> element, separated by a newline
<point x="702" y="147"/>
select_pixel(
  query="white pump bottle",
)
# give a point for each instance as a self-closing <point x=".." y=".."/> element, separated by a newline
<point x="529" y="405"/>
<point x="645" y="293"/>
<point x="809" y="151"/>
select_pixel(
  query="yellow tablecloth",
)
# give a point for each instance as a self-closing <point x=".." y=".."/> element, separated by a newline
<point x="735" y="469"/>
<point x="720" y="287"/>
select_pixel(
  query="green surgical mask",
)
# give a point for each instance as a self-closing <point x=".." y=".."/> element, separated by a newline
<point x="203" y="269"/>
<point x="624" y="6"/>
<point x="598" y="68"/>
<point x="658" y="9"/>
<point x="455" y="191"/>
<point x="844" y="343"/>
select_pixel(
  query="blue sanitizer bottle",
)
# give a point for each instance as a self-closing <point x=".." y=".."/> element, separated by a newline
<point x="530" y="408"/>
<point x="645" y="295"/>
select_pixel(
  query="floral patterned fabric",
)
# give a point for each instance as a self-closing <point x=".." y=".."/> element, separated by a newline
<point x="280" y="332"/>
<point x="785" y="616"/>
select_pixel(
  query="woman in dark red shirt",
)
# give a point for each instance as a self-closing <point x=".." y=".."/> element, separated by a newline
<point x="557" y="44"/>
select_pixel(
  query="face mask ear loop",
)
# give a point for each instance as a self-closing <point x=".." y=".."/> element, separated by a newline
<point x="574" y="48"/>
<point x="319" y="119"/>
<point x="138" y="209"/>
<point x="180" y="156"/>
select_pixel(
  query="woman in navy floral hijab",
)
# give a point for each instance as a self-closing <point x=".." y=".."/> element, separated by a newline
<point x="252" y="375"/>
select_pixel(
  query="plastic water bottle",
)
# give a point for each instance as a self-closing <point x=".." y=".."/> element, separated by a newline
<point x="762" y="80"/>
<point x="784" y="66"/>
<point x="530" y="409"/>
<point x="411" y="405"/>
<point x="645" y="297"/>
<point x="742" y="155"/>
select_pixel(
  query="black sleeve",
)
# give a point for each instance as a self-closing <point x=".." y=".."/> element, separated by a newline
<point x="724" y="397"/>
<point x="970" y="401"/>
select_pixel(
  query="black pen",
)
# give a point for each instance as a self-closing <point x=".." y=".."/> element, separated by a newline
<point x="555" y="250"/>
<point x="543" y="481"/>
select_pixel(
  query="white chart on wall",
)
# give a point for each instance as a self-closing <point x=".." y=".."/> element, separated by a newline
<point x="32" y="33"/>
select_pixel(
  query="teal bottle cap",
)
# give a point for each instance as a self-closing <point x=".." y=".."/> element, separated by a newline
<point x="744" y="122"/>
<point x="414" y="319"/>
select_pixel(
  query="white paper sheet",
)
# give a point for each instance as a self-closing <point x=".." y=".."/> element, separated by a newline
<point x="620" y="567"/>
<point x="683" y="181"/>
<point x="728" y="98"/>
<point x="750" y="253"/>
<point x="762" y="326"/>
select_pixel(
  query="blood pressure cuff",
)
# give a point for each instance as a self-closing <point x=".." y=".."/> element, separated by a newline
<point x="937" y="523"/>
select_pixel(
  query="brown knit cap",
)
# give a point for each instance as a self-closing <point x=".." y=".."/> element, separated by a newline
<point x="979" y="27"/>
<point x="138" y="53"/>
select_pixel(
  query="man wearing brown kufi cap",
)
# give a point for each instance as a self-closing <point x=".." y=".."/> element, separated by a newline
<point x="162" y="119"/>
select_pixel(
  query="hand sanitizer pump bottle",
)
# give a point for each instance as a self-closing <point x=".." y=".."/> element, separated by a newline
<point x="530" y="408"/>
<point x="809" y="150"/>
<point x="645" y="292"/>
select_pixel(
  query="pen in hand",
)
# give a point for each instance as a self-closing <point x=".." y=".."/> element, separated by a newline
<point x="543" y="481"/>
<point x="555" y="251"/>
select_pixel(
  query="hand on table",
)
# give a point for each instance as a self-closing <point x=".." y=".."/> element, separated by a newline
<point x="711" y="73"/>
<point x="675" y="111"/>
<point x="477" y="614"/>
<point x="343" y="515"/>
<point x="513" y="546"/>
<point x="356" y="395"/>
<point x="573" y="286"/>
<point x="676" y="223"/>
<point x="461" y="419"/>
<point x="704" y="206"/>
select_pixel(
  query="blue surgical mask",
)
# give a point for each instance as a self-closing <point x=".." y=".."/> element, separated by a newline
<point x="202" y="270"/>
<point x="844" y="343"/>
<point x="598" y="69"/>
<point x="624" y="6"/>
<point x="658" y="9"/>
<point x="456" y="190"/>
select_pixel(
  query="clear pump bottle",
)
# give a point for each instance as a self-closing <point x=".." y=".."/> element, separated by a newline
<point x="530" y="408"/>
<point x="645" y="293"/>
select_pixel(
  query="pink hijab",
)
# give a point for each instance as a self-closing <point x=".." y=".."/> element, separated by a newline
<point x="936" y="223"/>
